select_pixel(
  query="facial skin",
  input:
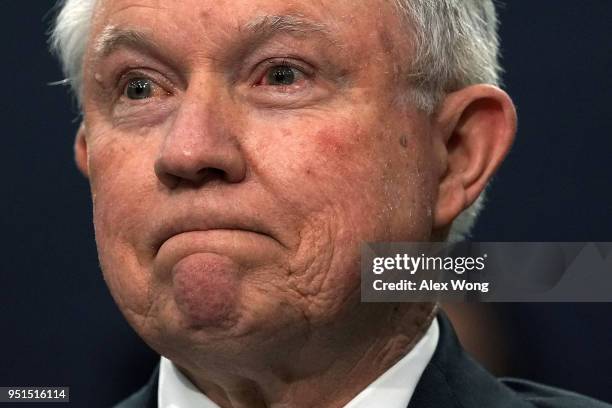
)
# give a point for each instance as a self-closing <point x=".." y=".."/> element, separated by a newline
<point x="230" y="202"/>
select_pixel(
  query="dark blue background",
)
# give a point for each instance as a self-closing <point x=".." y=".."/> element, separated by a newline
<point x="60" y="327"/>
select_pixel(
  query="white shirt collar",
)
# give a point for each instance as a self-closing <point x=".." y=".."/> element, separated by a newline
<point x="176" y="391"/>
<point x="393" y="389"/>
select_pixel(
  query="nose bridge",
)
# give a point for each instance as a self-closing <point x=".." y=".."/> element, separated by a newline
<point x="202" y="139"/>
<point x="198" y="125"/>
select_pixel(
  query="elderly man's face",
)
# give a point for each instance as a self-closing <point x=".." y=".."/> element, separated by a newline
<point x="240" y="151"/>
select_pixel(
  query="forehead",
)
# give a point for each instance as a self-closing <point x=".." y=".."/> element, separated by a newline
<point x="365" y="23"/>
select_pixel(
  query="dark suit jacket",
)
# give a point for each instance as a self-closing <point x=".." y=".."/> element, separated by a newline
<point x="452" y="379"/>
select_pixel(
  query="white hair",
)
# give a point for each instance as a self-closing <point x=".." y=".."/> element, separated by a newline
<point x="455" y="45"/>
<point x="69" y="38"/>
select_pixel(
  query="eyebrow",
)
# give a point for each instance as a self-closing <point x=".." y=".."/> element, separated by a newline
<point x="269" y="25"/>
<point x="257" y="30"/>
<point x="113" y="38"/>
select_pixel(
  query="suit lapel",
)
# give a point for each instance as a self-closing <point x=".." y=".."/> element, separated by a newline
<point x="146" y="397"/>
<point x="453" y="379"/>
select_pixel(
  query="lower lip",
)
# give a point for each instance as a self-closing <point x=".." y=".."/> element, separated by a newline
<point x="205" y="287"/>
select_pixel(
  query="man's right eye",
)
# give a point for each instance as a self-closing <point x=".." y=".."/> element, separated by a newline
<point x="139" y="88"/>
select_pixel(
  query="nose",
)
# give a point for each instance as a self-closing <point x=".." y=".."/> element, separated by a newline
<point x="201" y="145"/>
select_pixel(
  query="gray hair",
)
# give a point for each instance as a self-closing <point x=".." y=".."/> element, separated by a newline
<point x="455" y="45"/>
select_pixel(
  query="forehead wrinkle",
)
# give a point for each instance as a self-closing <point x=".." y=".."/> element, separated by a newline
<point x="259" y="30"/>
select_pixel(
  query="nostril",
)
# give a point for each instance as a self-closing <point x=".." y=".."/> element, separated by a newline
<point x="210" y="174"/>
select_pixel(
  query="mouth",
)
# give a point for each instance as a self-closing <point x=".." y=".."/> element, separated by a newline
<point x="178" y="226"/>
<point x="242" y="241"/>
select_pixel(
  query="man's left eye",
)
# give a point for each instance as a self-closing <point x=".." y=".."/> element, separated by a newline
<point x="281" y="75"/>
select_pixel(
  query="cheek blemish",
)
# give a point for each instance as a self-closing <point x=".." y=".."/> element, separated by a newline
<point x="404" y="141"/>
<point x="328" y="140"/>
<point x="339" y="139"/>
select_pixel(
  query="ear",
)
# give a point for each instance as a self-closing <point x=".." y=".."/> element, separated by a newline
<point x="80" y="150"/>
<point x="476" y="129"/>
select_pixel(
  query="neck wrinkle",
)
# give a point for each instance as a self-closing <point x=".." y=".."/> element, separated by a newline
<point x="338" y="379"/>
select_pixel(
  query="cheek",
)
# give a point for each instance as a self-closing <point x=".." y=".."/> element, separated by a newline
<point x="363" y="173"/>
<point x="350" y="185"/>
<point x="121" y="191"/>
<point x="122" y="183"/>
<point x="365" y="176"/>
<point x="337" y="142"/>
<point x="325" y="164"/>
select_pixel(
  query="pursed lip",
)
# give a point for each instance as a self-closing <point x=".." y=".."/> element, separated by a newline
<point x="203" y="221"/>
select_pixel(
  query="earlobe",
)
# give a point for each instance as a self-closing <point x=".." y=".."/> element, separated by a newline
<point x="80" y="150"/>
<point x="478" y="125"/>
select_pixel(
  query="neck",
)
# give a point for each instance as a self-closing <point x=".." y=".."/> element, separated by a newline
<point x="329" y="370"/>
